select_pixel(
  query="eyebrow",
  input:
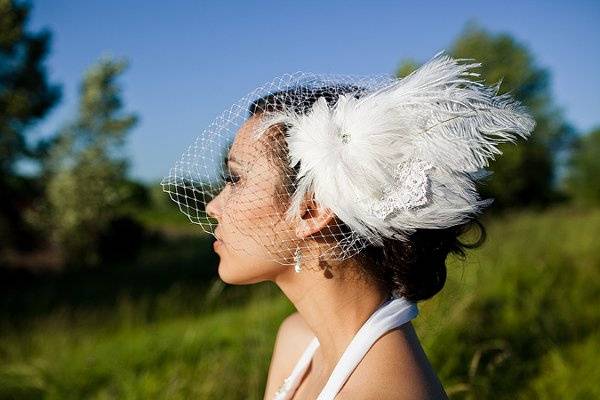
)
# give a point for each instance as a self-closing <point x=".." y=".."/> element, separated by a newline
<point x="230" y="159"/>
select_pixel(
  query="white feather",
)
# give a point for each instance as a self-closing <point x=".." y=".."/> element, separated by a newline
<point x="435" y="115"/>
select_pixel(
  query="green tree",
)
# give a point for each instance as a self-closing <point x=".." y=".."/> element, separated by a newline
<point x="87" y="169"/>
<point x="25" y="98"/>
<point x="524" y="174"/>
<point x="583" y="175"/>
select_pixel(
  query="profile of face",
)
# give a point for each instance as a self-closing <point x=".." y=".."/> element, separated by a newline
<point x="252" y="229"/>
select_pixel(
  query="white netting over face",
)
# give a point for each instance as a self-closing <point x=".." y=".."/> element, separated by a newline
<point x="249" y="177"/>
<point x="323" y="165"/>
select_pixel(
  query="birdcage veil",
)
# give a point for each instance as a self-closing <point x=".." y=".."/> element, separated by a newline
<point x="386" y="156"/>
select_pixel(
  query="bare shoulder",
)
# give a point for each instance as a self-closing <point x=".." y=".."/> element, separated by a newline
<point x="394" y="368"/>
<point x="292" y="339"/>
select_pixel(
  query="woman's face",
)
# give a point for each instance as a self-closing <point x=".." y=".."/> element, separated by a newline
<point x="249" y="211"/>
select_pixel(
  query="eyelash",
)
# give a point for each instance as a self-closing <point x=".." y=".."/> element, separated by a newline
<point x="230" y="178"/>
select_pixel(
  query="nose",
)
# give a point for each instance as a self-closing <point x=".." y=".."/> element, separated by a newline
<point x="213" y="208"/>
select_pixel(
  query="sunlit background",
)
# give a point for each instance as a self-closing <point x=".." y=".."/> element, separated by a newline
<point x="107" y="291"/>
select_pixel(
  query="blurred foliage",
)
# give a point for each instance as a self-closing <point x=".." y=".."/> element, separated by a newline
<point x="87" y="186"/>
<point x="530" y="292"/>
<point x="159" y="199"/>
<point x="26" y="96"/>
<point x="525" y="174"/>
<point x="583" y="180"/>
<point x="184" y="259"/>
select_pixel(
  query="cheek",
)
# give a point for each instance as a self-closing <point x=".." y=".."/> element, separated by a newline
<point x="255" y="225"/>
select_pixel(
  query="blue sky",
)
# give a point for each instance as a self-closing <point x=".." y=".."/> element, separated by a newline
<point x="190" y="60"/>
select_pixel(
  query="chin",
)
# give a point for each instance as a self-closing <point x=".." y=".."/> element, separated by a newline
<point x="231" y="275"/>
<point x="226" y="274"/>
<point x="239" y="273"/>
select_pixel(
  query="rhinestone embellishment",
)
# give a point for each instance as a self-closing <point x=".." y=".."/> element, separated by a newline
<point x="283" y="389"/>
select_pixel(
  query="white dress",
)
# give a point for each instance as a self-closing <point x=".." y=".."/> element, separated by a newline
<point x="394" y="312"/>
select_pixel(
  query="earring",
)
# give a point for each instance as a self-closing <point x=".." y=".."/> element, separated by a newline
<point x="298" y="260"/>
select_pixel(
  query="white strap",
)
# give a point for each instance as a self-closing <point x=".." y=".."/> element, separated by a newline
<point x="293" y="380"/>
<point x="394" y="313"/>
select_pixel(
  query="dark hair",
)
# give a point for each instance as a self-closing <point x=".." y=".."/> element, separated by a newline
<point x="416" y="268"/>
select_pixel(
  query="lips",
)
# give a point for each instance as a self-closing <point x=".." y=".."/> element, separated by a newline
<point x="217" y="243"/>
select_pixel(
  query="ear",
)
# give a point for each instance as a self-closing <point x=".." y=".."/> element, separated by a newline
<point x="314" y="217"/>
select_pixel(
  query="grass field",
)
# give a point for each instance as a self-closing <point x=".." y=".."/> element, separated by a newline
<point x="518" y="319"/>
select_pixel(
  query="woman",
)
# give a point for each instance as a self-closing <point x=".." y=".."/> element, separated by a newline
<point x="364" y="186"/>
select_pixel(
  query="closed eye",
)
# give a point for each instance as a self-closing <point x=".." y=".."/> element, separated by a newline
<point x="230" y="178"/>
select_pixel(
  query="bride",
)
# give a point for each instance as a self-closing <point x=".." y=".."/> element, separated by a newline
<point x="364" y="186"/>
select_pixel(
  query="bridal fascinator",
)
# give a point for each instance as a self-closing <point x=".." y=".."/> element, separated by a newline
<point x="386" y="156"/>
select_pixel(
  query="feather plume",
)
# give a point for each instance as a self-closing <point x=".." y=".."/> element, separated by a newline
<point x="349" y="153"/>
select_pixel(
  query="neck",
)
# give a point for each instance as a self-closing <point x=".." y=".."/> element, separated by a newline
<point x="333" y="304"/>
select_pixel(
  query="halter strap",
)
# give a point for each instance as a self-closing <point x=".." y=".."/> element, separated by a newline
<point x="393" y="313"/>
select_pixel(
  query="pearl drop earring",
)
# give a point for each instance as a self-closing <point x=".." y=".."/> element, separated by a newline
<point x="298" y="260"/>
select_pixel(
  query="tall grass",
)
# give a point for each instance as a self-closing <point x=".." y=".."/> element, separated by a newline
<point x="514" y="319"/>
<point x="518" y="319"/>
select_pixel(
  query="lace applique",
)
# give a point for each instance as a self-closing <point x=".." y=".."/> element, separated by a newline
<point x="408" y="191"/>
<point x="283" y="389"/>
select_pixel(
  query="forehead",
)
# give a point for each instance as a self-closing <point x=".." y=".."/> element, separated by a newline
<point x="245" y="146"/>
